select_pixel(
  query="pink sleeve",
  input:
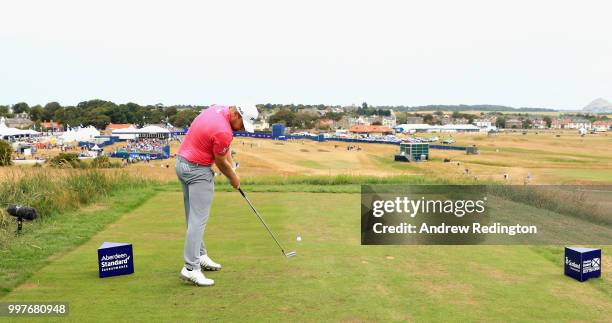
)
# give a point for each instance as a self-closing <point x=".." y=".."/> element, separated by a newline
<point x="221" y="143"/>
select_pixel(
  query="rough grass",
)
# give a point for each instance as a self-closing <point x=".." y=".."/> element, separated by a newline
<point x="48" y="239"/>
<point x="55" y="191"/>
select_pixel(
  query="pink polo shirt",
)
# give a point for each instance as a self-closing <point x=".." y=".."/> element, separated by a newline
<point x="210" y="134"/>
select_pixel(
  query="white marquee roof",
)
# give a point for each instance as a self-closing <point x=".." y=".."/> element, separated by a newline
<point x="7" y="131"/>
<point x="147" y="129"/>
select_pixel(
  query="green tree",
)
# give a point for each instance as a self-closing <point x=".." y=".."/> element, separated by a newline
<point x="500" y="122"/>
<point x="170" y="112"/>
<point x="49" y="110"/>
<point x="21" y="107"/>
<point x="284" y="116"/>
<point x="4" y="110"/>
<point x="305" y="120"/>
<point x="336" y="116"/>
<point x="183" y="118"/>
<point x="36" y="113"/>
<point x="156" y="116"/>
<point x="401" y="117"/>
<point x="6" y="152"/>
<point x="527" y="124"/>
<point x="548" y="121"/>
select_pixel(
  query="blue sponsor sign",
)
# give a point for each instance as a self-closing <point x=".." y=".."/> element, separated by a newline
<point x="582" y="263"/>
<point x="115" y="259"/>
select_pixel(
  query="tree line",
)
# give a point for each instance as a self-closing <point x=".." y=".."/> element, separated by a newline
<point x="100" y="113"/>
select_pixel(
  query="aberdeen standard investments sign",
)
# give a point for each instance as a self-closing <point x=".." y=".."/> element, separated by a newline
<point x="115" y="259"/>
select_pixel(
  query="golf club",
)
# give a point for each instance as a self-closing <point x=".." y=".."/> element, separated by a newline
<point x="287" y="254"/>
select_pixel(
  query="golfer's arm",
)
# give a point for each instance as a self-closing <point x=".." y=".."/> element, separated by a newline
<point x="230" y="160"/>
<point x="223" y="163"/>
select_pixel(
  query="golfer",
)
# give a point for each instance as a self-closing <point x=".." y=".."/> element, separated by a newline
<point x="207" y="142"/>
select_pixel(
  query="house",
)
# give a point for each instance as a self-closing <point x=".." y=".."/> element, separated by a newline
<point x="460" y="121"/>
<point x="413" y="128"/>
<point x="326" y="123"/>
<point x="51" y="126"/>
<point x="21" y="121"/>
<point x="482" y="123"/>
<point x="539" y="123"/>
<point x="560" y="123"/>
<point x="389" y="121"/>
<point x="371" y="130"/>
<point x="313" y="111"/>
<point x="602" y="125"/>
<point x="361" y="120"/>
<point x="414" y="120"/>
<point x="514" y="123"/>
<point x="570" y="123"/>
<point x="579" y="123"/>
<point x="445" y="119"/>
<point x="262" y="124"/>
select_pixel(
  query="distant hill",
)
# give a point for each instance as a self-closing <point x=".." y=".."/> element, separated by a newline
<point x="598" y="106"/>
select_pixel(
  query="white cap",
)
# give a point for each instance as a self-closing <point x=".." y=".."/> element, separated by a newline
<point x="249" y="114"/>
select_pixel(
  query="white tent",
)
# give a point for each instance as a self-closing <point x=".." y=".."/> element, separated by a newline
<point x="148" y="131"/>
<point x="126" y="133"/>
<point x="153" y="129"/>
<point x="80" y="134"/>
<point x="96" y="148"/>
<point x="7" y="132"/>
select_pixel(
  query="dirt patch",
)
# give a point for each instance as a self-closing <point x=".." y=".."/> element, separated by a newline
<point x="92" y="208"/>
<point x="304" y="150"/>
<point x="28" y="286"/>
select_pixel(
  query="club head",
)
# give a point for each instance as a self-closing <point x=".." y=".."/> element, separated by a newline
<point x="290" y="254"/>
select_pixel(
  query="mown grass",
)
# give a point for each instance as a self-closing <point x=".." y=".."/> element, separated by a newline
<point x="333" y="278"/>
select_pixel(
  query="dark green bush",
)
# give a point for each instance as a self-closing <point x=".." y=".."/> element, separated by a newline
<point x="104" y="162"/>
<point x="66" y="160"/>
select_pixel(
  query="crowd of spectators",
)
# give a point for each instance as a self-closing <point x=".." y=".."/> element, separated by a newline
<point x="147" y="145"/>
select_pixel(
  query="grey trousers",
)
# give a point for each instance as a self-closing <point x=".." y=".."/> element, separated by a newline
<point x="198" y="186"/>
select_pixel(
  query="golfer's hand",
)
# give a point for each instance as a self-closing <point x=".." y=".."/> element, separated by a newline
<point x="235" y="181"/>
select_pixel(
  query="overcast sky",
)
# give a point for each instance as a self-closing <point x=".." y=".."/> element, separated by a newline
<point x="555" y="54"/>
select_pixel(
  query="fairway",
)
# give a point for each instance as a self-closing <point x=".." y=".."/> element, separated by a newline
<point x="331" y="271"/>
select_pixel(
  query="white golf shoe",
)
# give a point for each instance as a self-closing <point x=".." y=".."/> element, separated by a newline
<point x="208" y="264"/>
<point x="196" y="277"/>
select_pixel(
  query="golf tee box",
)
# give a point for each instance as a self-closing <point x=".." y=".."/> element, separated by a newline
<point x="115" y="259"/>
<point x="582" y="263"/>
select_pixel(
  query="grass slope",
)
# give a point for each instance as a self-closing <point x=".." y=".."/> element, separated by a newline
<point x="332" y="278"/>
<point x="23" y="255"/>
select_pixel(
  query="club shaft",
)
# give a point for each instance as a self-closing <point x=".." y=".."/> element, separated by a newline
<point x="262" y="221"/>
